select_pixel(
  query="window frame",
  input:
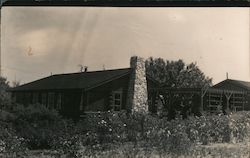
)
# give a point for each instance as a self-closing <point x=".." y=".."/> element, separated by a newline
<point x="114" y="99"/>
<point x="35" y="98"/>
<point x="44" y="99"/>
<point x="59" y="101"/>
<point x="81" y="107"/>
<point x="51" y="100"/>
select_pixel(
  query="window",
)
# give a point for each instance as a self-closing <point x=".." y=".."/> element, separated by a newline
<point x="21" y="97"/>
<point x="14" y="96"/>
<point x="116" y="100"/>
<point x="59" y="101"/>
<point x="44" y="97"/>
<point x="28" y="98"/>
<point x="35" y="98"/>
<point x="51" y="97"/>
<point x="18" y="97"/>
<point x="81" y="103"/>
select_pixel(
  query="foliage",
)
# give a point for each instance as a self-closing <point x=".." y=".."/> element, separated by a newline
<point x="240" y="124"/>
<point x="96" y="132"/>
<point x="176" y="73"/>
<point x="4" y="96"/>
<point x="36" y="127"/>
<point x="16" y="83"/>
<point x="105" y="131"/>
<point x="9" y="141"/>
<point x="36" y="124"/>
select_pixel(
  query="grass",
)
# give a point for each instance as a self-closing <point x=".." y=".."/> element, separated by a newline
<point x="221" y="150"/>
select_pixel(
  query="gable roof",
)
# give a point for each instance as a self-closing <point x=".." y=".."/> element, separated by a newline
<point x="83" y="80"/>
<point x="242" y="84"/>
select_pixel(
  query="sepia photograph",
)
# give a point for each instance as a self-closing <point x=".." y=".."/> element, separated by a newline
<point x="127" y="82"/>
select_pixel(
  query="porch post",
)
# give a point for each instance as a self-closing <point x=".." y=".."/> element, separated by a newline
<point x="203" y="92"/>
<point x="228" y="95"/>
<point x="201" y="108"/>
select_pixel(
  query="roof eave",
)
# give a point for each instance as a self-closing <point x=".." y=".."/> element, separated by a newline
<point x="107" y="81"/>
<point x="234" y="83"/>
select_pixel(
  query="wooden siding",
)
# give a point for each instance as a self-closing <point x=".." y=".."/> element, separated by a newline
<point x="104" y="93"/>
<point x="71" y="99"/>
<point x="229" y="86"/>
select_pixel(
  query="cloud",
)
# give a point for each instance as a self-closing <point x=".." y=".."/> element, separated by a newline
<point x="41" y="40"/>
<point x="36" y="42"/>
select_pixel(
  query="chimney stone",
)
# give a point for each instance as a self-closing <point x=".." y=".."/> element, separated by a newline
<point x="137" y="90"/>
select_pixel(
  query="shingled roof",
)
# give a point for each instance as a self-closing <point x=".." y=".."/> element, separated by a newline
<point x="243" y="84"/>
<point x="83" y="80"/>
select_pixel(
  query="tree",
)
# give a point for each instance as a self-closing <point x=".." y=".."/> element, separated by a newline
<point x="4" y="95"/>
<point x="16" y="83"/>
<point x="177" y="74"/>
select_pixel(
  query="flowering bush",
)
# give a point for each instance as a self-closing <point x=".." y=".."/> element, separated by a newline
<point x="219" y="128"/>
<point x="36" y="124"/>
<point x="9" y="141"/>
<point x="240" y="126"/>
<point x="109" y="127"/>
<point x="37" y="127"/>
<point x="105" y="131"/>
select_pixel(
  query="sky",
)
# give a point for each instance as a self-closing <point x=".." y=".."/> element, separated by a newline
<point x="39" y="41"/>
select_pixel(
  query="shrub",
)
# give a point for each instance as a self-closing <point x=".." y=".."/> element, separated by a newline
<point x="209" y="129"/>
<point x="37" y="127"/>
<point x="5" y="98"/>
<point x="109" y="127"/>
<point x="240" y="126"/>
<point x="9" y="141"/>
<point x="104" y="131"/>
<point x="36" y="124"/>
<point x="169" y="136"/>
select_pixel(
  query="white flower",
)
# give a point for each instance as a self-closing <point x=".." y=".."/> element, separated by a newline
<point x="169" y="133"/>
<point x="103" y="122"/>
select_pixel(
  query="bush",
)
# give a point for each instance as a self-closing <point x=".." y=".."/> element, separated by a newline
<point x="209" y="129"/>
<point x="37" y="127"/>
<point x="240" y="126"/>
<point x="169" y="136"/>
<point x="219" y="128"/>
<point x="9" y="141"/>
<point x="109" y="127"/>
<point x="5" y="98"/>
<point x="105" y="131"/>
<point x="36" y="124"/>
<point x="96" y="132"/>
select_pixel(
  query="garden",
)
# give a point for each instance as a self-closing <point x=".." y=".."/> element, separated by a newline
<point x="35" y="131"/>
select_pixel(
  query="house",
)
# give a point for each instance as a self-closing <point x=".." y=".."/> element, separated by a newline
<point x="130" y="89"/>
<point x="238" y="93"/>
<point x="75" y="94"/>
<point x="229" y="95"/>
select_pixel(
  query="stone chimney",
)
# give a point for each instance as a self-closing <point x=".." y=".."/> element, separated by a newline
<point x="137" y="90"/>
